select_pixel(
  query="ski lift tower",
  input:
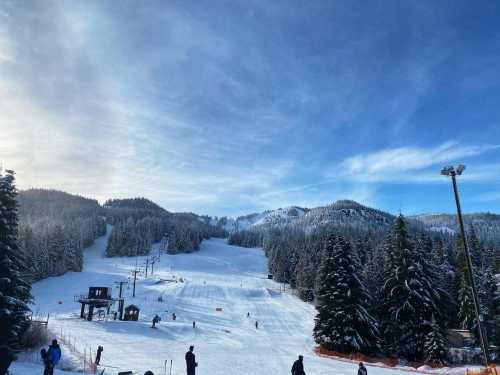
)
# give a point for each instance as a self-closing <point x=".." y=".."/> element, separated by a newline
<point x="452" y="172"/>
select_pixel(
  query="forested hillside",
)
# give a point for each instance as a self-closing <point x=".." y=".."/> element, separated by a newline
<point x="54" y="227"/>
<point x="138" y="223"/>
<point x="304" y="252"/>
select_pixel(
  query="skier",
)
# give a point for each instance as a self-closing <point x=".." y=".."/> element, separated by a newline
<point x="156" y="319"/>
<point x="53" y="356"/>
<point x="191" y="363"/>
<point x="362" y="369"/>
<point x="6" y="358"/>
<point x="298" y="366"/>
<point x="256" y="324"/>
<point x="194" y="324"/>
<point x="174" y="316"/>
<point x="248" y="315"/>
<point x="98" y="355"/>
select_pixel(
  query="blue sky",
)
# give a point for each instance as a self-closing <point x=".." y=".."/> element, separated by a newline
<point x="231" y="107"/>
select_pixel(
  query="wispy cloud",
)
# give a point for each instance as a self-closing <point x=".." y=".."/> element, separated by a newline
<point x="411" y="163"/>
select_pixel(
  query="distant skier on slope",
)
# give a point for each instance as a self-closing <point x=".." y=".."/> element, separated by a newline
<point x="156" y="319"/>
<point x="98" y="355"/>
<point x="298" y="366"/>
<point x="191" y="363"/>
<point x="362" y="369"/>
<point x="256" y="324"/>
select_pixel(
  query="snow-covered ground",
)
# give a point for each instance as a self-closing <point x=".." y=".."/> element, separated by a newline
<point x="226" y="342"/>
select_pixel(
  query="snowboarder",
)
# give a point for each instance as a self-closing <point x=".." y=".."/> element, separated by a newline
<point x="191" y="363"/>
<point x="362" y="369"/>
<point x="256" y="324"/>
<point x="6" y="358"/>
<point x="298" y="366"/>
<point x="156" y="319"/>
<point x="98" y="355"/>
<point x="194" y="324"/>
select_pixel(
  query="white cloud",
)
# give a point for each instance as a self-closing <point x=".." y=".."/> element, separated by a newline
<point x="410" y="163"/>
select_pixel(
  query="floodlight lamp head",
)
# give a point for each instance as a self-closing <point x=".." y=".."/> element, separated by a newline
<point x="460" y="169"/>
<point x="447" y="171"/>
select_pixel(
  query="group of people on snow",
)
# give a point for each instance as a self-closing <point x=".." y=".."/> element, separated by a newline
<point x="298" y="367"/>
<point x="51" y="357"/>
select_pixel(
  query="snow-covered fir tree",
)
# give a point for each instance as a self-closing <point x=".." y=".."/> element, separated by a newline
<point x="435" y="346"/>
<point x="408" y="297"/>
<point x="14" y="290"/>
<point x="343" y="323"/>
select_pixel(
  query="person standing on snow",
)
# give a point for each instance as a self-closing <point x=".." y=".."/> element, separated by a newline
<point x="47" y="366"/>
<point x="362" y="369"/>
<point x="191" y="363"/>
<point x="98" y="355"/>
<point x="298" y="366"/>
<point x="6" y="358"/>
<point x="53" y="355"/>
<point x="256" y="324"/>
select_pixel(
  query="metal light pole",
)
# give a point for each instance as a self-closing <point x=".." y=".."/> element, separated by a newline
<point x="452" y="172"/>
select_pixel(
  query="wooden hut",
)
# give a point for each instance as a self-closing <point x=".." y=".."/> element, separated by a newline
<point x="131" y="313"/>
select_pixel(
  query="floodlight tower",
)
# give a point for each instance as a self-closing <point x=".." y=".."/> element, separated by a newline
<point x="452" y="172"/>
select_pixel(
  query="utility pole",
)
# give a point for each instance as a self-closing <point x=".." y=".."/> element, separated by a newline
<point x="153" y="261"/>
<point x="452" y="172"/>
<point x="121" y="283"/>
<point x="135" y="272"/>
<point x="120" y="298"/>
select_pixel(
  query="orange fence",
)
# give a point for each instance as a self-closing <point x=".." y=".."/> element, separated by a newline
<point x="492" y="370"/>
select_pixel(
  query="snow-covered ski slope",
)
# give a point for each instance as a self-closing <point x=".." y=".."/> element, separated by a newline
<point x="226" y="342"/>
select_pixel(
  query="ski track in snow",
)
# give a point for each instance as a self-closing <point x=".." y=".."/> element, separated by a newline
<point x="226" y="342"/>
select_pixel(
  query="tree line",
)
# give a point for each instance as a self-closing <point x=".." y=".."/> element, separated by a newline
<point x="393" y="292"/>
<point x="54" y="228"/>
<point x="138" y="223"/>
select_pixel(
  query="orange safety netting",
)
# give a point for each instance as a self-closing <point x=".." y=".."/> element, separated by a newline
<point x="493" y="370"/>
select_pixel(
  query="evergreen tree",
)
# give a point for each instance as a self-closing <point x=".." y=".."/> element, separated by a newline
<point x="408" y="297"/>
<point x="14" y="290"/>
<point x="305" y="277"/>
<point x="435" y="346"/>
<point x="343" y="323"/>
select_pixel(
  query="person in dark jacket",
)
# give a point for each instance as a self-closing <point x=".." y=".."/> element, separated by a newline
<point x="6" y="358"/>
<point x="47" y="366"/>
<point x="298" y="366"/>
<point x="191" y="363"/>
<point x="98" y="355"/>
<point x="362" y="369"/>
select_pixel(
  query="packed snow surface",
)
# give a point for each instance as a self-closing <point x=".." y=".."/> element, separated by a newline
<point x="231" y="278"/>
